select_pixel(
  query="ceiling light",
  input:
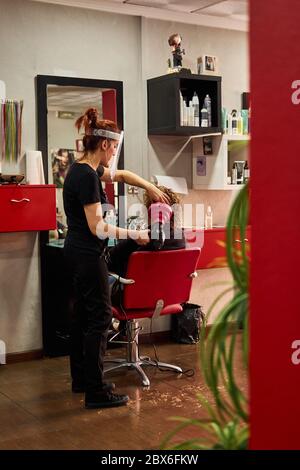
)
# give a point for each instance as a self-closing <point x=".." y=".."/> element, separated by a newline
<point x="65" y="115"/>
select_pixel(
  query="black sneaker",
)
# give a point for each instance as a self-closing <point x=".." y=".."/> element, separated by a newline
<point x="80" y="388"/>
<point x="104" y="400"/>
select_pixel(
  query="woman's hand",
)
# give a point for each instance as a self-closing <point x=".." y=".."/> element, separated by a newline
<point x="142" y="237"/>
<point x="156" y="194"/>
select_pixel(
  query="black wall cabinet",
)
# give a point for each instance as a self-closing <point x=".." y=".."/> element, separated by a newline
<point x="164" y="102"/>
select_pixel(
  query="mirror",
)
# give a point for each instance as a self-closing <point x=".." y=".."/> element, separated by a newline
<point x="60" y="101"/>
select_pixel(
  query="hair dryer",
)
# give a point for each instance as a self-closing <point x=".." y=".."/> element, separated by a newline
<point x="159" y="214"/>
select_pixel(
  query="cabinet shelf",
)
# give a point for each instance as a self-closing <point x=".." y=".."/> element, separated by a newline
<point x="164" y="102"/>
<point x="233" y="187"/>
<point x="211" y="171"/>
<point x="185" y="131"/>
<point x="234" y="137"/>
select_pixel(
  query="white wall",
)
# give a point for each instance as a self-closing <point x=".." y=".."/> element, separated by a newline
<point x="20" y="299"/>
<point x="48" y="39"/>
<point x="57" y="40"/>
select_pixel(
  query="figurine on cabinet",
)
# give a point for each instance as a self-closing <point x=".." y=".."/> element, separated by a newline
<point x="175" y="42"/>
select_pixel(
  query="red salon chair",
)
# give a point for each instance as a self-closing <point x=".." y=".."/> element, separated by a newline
<point x="157" y="283"/>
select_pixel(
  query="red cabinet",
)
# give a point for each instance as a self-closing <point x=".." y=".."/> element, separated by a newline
<point x="26" y="208"/>
<point x="213" y="246"/>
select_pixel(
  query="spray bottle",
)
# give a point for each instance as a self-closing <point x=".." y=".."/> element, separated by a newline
<point x="209" y="218"/>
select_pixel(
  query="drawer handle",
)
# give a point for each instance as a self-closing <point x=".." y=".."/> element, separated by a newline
<point x="240" y="241"/>
<point x="24" y="199"/>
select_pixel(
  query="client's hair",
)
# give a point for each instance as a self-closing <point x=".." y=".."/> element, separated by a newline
<point x="173" y="197"/>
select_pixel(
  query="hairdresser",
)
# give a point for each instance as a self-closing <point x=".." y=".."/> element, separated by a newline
<point x="84" y="249"/>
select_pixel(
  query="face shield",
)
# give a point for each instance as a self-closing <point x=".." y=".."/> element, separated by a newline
<point x="113" y="164"/>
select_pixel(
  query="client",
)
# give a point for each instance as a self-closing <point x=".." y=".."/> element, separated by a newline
<point x="166" y="232"/>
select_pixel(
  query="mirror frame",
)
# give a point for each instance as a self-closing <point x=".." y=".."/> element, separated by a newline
<point x="42" y="81"/>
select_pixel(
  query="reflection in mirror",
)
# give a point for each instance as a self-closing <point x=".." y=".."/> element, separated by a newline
<point x="60" y="100"/>
<point x="65" y="104"/>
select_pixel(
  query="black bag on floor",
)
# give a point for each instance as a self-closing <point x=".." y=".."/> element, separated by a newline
<point x="186" y="326"/>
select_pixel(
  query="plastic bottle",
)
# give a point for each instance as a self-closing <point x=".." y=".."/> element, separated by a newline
<point x="185" y="114"/>
<point x="234" y="174"/>
<point x="191" y="114"/>
<point x="181" y="108"/>
<point x="224" y="120"/>
<point x="246" y="172"/>
<point x="249" y="120"/>
<point x="196" y="108"/>
<point x="240" y="164"/>
<point x="240" y="124"/>
<point x="209" y="218"/>
<point x="234" y="122"/>
<point x="204" y="117"/>
<point x="229" y="126"/>
<point x="244" y="114"/>
<point x="207" y="105"/>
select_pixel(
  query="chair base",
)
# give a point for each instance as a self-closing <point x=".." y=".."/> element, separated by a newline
<point x="137" y="365"/>
<point x="133" y="359"/>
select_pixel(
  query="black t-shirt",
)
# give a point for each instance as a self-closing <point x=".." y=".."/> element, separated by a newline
<point x="82" y="186"/>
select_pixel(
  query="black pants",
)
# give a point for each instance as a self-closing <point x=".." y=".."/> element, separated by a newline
<point x="90" y="320"/>
<point x="117" y="256"/>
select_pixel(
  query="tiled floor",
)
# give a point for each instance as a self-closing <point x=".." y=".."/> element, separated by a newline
<point x="38" y="410"/>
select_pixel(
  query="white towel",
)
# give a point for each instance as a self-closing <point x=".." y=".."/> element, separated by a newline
<point x="34" y="167"/>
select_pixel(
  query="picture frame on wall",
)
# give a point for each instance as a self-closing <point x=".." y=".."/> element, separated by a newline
<point x="201" y="166"/>
<point x="61" y="160"/>
<point x="207" y="65"/>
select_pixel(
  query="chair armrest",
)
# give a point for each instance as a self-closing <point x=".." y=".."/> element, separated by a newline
<point x="122" y="280"/>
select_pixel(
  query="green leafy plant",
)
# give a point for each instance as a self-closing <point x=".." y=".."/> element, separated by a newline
<point x="219" y="436"/>
<point x="226" y="425"/>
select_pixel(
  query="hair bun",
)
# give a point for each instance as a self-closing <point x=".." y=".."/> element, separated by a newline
<point x="92" y="115"/>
